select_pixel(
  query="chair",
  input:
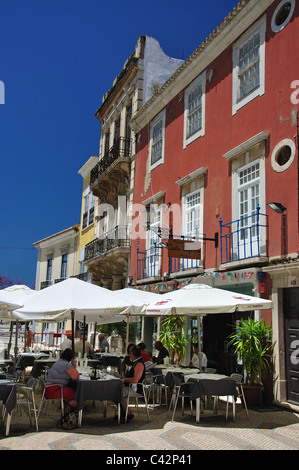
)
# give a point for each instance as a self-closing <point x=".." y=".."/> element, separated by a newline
<point x="238" y="379"/>
<point x="155" y="384"/>
<point x="25" y="396"/>
<point x="136" y="395"/>
<point x="44" y="399"/>
<point x="209" y="370"/>
<point x="180" y="390"/>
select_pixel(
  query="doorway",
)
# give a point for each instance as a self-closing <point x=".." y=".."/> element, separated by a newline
<point x="291" y="332"/>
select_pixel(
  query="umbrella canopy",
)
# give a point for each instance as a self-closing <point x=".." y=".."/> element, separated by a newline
<point x="59" y="301"/>
<point x="137" y="298"/>
<point x="200" y="299"/>
<point x="12" y="297"/>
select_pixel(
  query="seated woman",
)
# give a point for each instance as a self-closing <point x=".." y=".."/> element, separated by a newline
<point x="135" y="374"/>
<point x="61" y="373"/>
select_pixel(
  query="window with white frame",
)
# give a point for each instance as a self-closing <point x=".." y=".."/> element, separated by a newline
<point x="192" y="215"/>
<point x="153" y="257"/>
<point x="88" y="208"/>
<point x="157" y="133"/>
<point x="249" y="200"/>
<point x="249" y="65"/>
<point x="194" y="116"/>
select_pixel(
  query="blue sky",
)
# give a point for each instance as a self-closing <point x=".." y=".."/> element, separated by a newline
<point x="57" y="59"/>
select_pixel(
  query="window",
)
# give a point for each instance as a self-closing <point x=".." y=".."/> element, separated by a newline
<point x="249" y="200"/>
<point x="153" y="258"/>
<point x="194" y="118"/>
<point x="249" y="66"/>
<point x="157" y="132"/>
<point x="282" y="15"/>
<point x="88" y="209"/>
<point x="283" y="155"/>
<point x="63" y="273"/>
<point x="192" y="215"/>
<point x="49" y="269"/>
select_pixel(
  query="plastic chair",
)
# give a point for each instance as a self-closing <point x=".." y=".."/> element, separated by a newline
<point x="136" y="395"/>
<point x="44" y="399"/>
<point x="238" y="379"/>
<point x="209" y="370"/>
<point x="25" y="397"/>
<point x="180" y="390"/>
<point x="155" y="384"/>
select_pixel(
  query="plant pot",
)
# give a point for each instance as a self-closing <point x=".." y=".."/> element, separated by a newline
<point x="252" y="395"/>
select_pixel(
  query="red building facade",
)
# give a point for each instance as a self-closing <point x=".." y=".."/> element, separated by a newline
<point x="215" y="145"/>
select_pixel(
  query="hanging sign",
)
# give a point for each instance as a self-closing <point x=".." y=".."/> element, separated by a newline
<point x="184" y="249"/>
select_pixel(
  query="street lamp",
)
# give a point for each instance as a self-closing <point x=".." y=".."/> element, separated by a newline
<point x="277" y="207"/>
<point x="280" y="209"/>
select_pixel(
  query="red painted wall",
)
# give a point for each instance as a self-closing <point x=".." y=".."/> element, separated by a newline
<point x="223" y="132"/>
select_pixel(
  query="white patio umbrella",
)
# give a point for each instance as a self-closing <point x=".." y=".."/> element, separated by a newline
<point x="201" y="299"/>
<point x="139" y="299"/>
<point x="74" y="299"/>
<point x="11" y="298"/>
<point x="59" y="301"/>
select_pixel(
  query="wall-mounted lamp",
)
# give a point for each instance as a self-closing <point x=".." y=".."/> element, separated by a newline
<point x="277" y="207"/>
<point x="280" y="209"/>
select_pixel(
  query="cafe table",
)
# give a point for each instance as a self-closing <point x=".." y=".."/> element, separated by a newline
<point x="167" y="372"/>
<point x="8" y="395"/>
<point x="106" y="388"/>
<point x="27" y="359"/>
<point x="217" y="385"/>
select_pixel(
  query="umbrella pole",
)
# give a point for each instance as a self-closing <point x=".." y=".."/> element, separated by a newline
<point x="84" y="323"/>
<point x="128" y="331"/>
<point x="16" y="341"/>
<point x="25" y="335"/>
<point x="73" y="330"/>
<point x="199" y="341"/>
<point x="94" y="335"/>
<point x="10" y="337"/>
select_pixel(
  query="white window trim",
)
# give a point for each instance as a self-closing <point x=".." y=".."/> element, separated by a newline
<point x="261" y="26"/>
<point x="201" y="79"/>
<point x="201" y="206"/>
<point x="161" y="116"/>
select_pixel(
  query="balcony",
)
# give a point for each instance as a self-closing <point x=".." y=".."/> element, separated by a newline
<point x="149" y="262"/>
<point x="244" y="240"/>
<point x="118" y="237"/>
<point x="114" y="160"/>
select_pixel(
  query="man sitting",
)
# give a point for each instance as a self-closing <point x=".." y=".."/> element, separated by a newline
<point x="198" y="358"/>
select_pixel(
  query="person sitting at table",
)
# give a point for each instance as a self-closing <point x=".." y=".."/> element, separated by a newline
<point x="67" y="343"/>
<point x="126" y="363"/>
<point x="197" y="358"/>
<point x="103" y="343"/>
<point x="162" y="353"/>
<point x="146" y="356"/>
<point x="135" y="374"/>
<point x="63" y="372"/>
<point x="87" y="347"/>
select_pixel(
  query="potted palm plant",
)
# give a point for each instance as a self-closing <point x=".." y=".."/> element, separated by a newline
<point x="251" y="341"/>
<point x="173" y="338"/>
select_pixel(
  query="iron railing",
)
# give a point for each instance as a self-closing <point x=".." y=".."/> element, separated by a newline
<point x="244" y="238"/>
<point x="149" y="262"/>
<point x="117" y="237"/>
<point x="121" y="148"/>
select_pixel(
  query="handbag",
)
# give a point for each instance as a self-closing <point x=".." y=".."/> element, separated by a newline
<point x="70" y="418"/>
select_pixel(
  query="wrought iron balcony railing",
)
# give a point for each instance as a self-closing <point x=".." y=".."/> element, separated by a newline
<point x="121" y="148"/>
<point x="244" y="238"/>
<point x="115" y="238"/>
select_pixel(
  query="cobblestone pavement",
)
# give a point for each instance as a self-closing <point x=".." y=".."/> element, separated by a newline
<point x="267" y="429"/>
